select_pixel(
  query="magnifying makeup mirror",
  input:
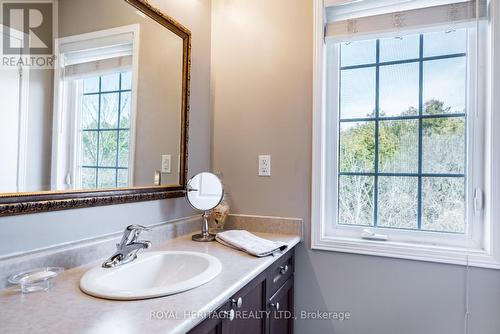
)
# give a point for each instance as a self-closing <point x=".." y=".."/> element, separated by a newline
<point x="204" y="192"/>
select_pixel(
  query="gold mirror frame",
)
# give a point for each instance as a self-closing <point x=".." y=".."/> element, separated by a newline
<point x="27" y="203"/>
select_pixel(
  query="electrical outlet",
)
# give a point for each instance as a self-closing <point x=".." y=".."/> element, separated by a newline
<point x="166" y="163"/>
<point x="264" y="165"/>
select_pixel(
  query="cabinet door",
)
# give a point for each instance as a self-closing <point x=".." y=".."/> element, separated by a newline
<point x="208" y="326"/>
<point x="250" y="317"/>
<point x="281" y="310"/>
<point x="215" y="323"/>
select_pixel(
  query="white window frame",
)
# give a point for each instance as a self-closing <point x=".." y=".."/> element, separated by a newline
<point x="482" y="249"/>
<point x="65" y="139"/>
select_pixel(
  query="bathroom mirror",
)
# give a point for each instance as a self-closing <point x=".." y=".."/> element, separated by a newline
<point x="101" y="115"/>
<point x="204" y="192"/>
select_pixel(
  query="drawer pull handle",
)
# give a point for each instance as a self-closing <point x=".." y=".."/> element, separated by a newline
<point x="237" y="302"/>
<point x="284" y="269"/>
<point x="229" y="315"/>
<point x="276" y="306"/>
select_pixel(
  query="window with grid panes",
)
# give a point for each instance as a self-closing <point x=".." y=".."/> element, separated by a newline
<point x="105" y="130"/>
<point x="402" y="132"/>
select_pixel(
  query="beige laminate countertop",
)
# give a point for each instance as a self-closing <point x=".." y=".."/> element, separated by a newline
<point x="65" y="309"/>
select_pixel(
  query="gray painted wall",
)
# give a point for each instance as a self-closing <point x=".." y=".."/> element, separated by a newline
<point x="23" y="233"/>
<point x="39" y="140"/>
<point x="261" y="75"/>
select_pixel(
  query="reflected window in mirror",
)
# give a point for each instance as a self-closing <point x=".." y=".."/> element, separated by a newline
<point x="104" y="143"/>
<point x="97" y="109"/>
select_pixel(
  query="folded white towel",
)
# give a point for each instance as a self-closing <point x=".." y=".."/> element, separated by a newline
<point x="249" y="243"/>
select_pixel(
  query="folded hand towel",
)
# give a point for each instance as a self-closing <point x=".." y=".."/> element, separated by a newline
<point x="249" y="243"/>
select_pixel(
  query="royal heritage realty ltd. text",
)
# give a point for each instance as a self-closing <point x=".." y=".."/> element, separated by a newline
<point x="246" y="315"/>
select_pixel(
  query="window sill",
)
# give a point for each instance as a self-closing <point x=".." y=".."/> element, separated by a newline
<point x="409" y="251"/>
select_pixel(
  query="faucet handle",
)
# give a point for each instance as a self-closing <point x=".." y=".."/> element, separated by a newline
<point x="131" y="234"/>
<point x="138" y="228"/>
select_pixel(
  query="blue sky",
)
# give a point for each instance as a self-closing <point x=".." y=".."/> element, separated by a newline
<point x="443" y="79"/>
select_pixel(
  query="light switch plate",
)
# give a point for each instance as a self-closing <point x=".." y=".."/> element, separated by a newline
<point x="264" y="165"/>
<point x="157" y="180"/>
<point x="166" y="163"/>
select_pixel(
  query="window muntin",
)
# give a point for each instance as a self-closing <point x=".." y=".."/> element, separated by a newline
<point x="105" y="131"/>
<point x="402" y="139"/>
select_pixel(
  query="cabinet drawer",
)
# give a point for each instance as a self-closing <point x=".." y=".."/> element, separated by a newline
<point x="280" y="272"/>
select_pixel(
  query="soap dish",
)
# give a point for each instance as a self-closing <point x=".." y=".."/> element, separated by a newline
<point x="40" y="279"/>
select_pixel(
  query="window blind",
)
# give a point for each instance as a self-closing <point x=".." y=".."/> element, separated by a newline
<point x="347" y="20"/>
<point x="97" y="56"/>
<point x="98" y="67"/>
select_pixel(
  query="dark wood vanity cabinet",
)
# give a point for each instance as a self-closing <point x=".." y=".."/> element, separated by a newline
<point x="281" y="307"/>
<point x="252" y="302"/>
<point x="264" y="306"/>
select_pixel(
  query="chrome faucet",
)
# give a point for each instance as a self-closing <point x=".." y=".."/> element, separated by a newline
<point x="126" y="250"/>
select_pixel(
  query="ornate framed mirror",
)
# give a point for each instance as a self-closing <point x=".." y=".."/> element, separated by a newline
<point x="106" y="122"/>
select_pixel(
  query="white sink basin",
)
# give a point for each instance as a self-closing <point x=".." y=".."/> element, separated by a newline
<point x="152" y="274"/>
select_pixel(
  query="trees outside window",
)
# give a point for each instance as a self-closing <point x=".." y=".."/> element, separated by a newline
<point x="105" y="131"/>
<point x="402" y="142"/>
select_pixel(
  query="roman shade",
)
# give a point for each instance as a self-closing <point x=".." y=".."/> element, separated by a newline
<point x="352" y="19"/>
<point x="97" y="56"/>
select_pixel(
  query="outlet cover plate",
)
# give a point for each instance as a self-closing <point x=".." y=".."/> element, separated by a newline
<point x="265" y="165"/>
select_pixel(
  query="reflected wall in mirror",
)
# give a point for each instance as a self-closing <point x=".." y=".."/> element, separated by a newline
<point x="204" y="191"/>
<point x="110" y="115"/>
